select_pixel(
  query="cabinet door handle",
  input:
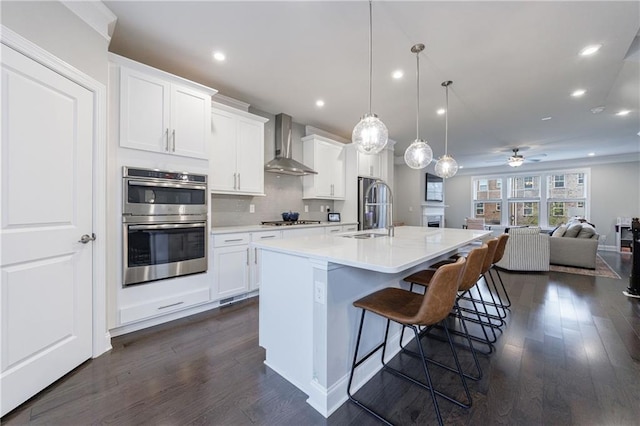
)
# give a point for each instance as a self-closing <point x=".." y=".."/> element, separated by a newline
<point x="233" y="241"/>
<point x="264" y="237"/>
<point x="170" y="306"/>
<point x="166" y="133"/>
<point x="247" y="256"/>
<point x="370" y="170"/>
<point x="255" y="255"/>
<point x="238" y="181"/>
<point x="235" y="181"/>
<point x="174" y="140"/>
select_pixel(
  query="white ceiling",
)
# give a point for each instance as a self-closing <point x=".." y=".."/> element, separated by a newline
<point x="512" y="63"/>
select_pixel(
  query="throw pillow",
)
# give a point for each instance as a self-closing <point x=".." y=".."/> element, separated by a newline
<point x="586" y="231"/>
<point x="573" y="231"/>
<point x="559" y="231"/>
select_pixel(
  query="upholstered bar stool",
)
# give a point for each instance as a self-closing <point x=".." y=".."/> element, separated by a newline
<point x="497" y="257"/>
<point x="412" y="310"/>
<point x="489" y="320"/>
<point x="472" y="271"/>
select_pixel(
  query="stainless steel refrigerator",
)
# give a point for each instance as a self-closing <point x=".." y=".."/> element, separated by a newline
<point x="372" y="212"/>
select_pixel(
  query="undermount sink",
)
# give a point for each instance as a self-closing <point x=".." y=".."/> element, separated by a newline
<point x="365" y="236"/>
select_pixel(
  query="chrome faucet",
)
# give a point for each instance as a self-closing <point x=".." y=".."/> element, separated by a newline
<point x="390" y="228"/>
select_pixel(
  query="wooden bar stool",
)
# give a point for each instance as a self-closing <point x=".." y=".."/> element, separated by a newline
<point x="412" y="310"/>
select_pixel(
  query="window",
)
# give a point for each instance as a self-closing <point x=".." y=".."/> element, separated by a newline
<point x="544" y="199"/>
<point x="527" y="209"/>
<point x="487" y="199"/>
<point x="557" y="209"/>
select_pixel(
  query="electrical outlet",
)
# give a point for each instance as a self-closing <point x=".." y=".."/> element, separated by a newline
<point x="306" y="208"/>
<point x="252" y="208"/>
<point x="318" y="292"/>
<point x="321" y="209"/>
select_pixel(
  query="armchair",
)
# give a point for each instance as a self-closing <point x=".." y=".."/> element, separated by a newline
<point x="527" y="250"/>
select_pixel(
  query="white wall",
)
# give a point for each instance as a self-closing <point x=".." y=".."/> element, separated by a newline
<point x="408" y="195"/>
<point x="53" y="27"/>
<point x="615" y="191"/>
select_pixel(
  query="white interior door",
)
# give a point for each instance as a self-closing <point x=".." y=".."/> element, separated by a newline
<point x="46" y="206"/>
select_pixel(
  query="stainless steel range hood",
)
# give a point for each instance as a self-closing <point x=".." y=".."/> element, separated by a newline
<point x="283" y="163"/>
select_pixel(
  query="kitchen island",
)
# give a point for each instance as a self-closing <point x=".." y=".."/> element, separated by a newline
<point x="308" y="324"/>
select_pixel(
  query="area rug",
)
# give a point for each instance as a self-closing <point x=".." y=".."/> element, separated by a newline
<point x="602" y="269"/>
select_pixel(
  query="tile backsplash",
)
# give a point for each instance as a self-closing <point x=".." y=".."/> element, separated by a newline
<point x="283" y="193"/>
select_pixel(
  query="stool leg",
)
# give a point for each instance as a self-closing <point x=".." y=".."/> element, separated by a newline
<point x="428" y="376"/>
<point x="356" y="363"/>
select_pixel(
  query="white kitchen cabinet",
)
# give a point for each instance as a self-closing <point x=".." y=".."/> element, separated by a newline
<point x="370" y="165"/>
<point x="350" y="228"/>
<point x="327" y="157"/>
<point x="236" y="163"/>
<point x="255" y="256"/>
<point x="163" y="113"/>
<point x="230" y="265"/>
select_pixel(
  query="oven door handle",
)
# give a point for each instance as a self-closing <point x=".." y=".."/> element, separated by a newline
<point x="167" y="226"/>
<point x="167" y="185"/>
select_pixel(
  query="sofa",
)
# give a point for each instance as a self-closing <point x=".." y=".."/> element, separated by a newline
<point x="527" y="250"/>
<point x="574" y="244"/>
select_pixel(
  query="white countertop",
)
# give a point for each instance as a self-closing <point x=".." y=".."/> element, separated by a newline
<point x="256" y="228"/>
<point x="410" y="246"/>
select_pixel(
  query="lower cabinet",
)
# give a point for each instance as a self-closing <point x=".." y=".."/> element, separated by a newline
<point x="255" y="256"/>
<point x="163" y="305"/>
<point x="230" y="265"/>
<point x="235" y="265"/>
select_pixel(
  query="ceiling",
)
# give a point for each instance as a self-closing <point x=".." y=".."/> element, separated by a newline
<point x="511" y="63"/>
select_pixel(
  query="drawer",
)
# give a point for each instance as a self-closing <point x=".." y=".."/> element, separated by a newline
<point x="333" y="229"/>
<point x="266" y="236"/>
<point x="231" y="239"/>
<point x="163" y="305"/>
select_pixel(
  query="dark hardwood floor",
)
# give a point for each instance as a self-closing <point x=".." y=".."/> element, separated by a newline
<point x="569" y="355"/>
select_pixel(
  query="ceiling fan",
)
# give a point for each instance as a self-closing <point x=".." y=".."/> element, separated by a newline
<point x="516" y="159"/>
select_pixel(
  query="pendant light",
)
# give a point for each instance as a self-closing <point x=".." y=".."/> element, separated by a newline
<point x="446" y="166"/>
<point x="370" y="135"/>
<point x="419" y="154"/>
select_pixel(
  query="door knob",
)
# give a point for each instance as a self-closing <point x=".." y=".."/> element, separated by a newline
<point x="86" y="238"/>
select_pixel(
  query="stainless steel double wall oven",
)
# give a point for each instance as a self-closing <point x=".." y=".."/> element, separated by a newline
<point x="164" y="219"/>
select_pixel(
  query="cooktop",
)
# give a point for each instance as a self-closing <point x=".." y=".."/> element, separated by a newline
<point x="290" y="222"/>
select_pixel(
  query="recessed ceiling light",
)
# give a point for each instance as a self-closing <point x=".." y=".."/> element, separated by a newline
<point x="590" y="50"/>
<point x="397" y="74"/>
<point x="319" y="103"/>
<point x="545" y="118"/>
<point x="623" y="112"/>
<point x="219" y="56"/>
<point x="578" y="93"/>
<point x="441" y="111"/>
<point x="591" y="154"/>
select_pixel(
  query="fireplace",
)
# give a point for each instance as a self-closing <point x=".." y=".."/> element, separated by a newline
<point x="433" y="215"/>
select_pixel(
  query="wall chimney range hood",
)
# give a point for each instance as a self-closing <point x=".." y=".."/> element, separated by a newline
<point x="283" y="163"/>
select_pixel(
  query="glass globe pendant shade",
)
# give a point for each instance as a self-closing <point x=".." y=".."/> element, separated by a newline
<point x="418" y="155"/>
<point x="370" y="135"/>
<point x="446" y="166"/>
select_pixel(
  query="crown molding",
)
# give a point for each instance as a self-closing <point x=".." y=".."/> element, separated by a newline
<point x="95" y="14"/>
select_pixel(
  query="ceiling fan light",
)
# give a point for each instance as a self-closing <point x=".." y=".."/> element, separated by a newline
<point x="516" y="160"/>
<point x="370" y="134"/>
<point x="446" y="166"/>
<point x="418" y="155"/>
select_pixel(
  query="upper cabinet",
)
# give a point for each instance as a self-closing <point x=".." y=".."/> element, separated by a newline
<point x="161" y="112"/>
<point x="327" y="157"/>
<point x="370" y="165"/>
<point x="236" y="163"/>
